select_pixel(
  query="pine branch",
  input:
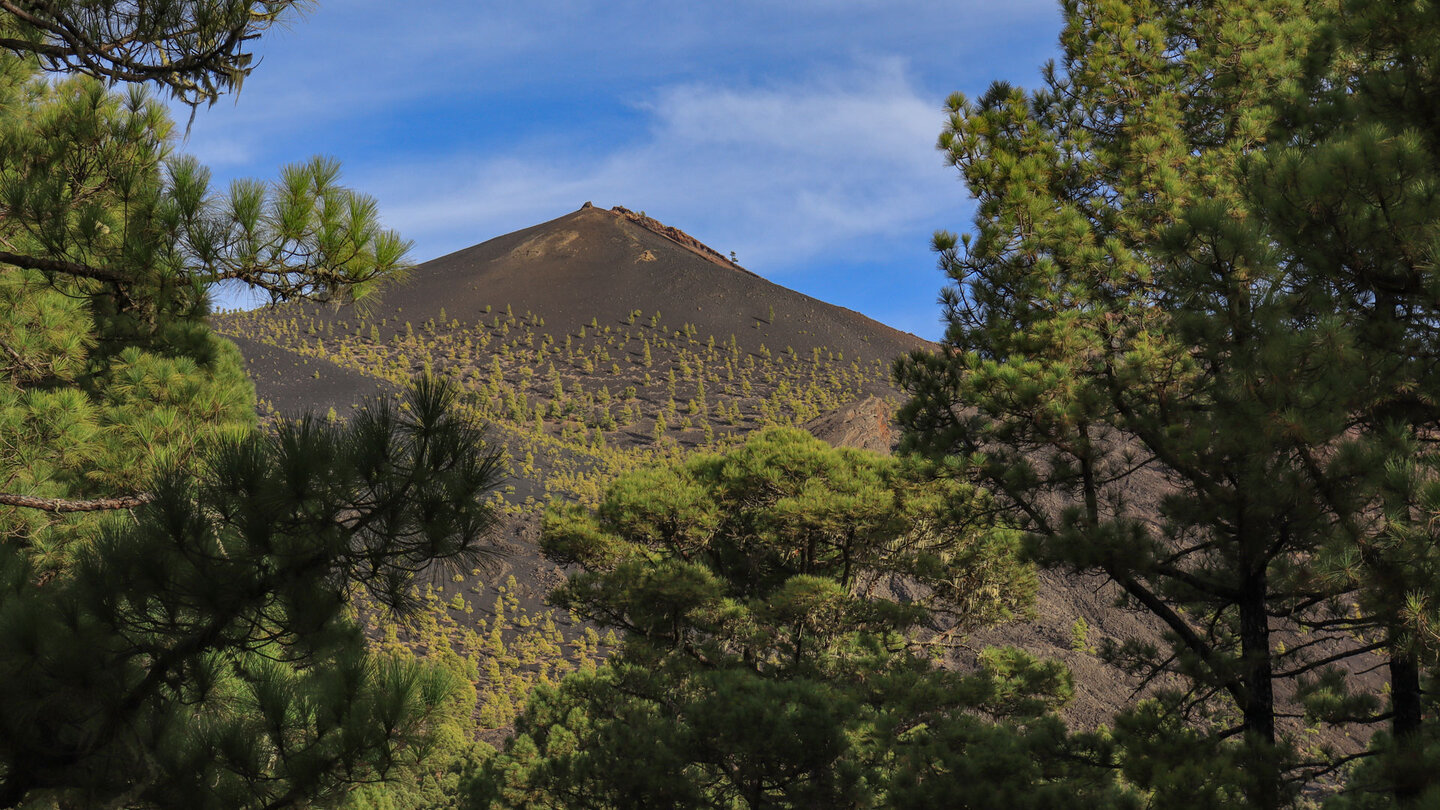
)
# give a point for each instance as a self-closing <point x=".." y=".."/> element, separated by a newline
<point x="1186" y="634"/>
<point x="63" y="267"/>
<point x="1340" y="656"/>
<point x="19" y="360"/>
<point x="1199" y="583"/>
<point x="196" y="69"/>
<point x="63" y="505"/>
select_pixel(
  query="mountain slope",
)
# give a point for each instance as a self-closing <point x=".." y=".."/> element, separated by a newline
<point x="594" y="263"/>
<point x="619" y="287"/>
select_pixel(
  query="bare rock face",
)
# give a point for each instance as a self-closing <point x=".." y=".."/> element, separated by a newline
<point x="865" y="425"/>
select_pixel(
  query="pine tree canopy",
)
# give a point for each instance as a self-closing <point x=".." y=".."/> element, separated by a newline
<point x="195" y="49"/>
<point x="205" y="654"/>
<point x="1191" y="345"/>
<point x="780" y="604"/>
<point x="176" y="624"/>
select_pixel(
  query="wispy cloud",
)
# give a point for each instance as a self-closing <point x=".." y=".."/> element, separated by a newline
<point x="799" y="135"/>
<point x="779" y="172"/>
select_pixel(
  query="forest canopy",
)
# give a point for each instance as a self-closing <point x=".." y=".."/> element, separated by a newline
<point x="1188" y="368"/>
<point x="176" y="625"/>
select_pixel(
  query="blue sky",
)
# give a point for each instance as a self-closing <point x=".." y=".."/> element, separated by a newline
<point x="798" y="134"/>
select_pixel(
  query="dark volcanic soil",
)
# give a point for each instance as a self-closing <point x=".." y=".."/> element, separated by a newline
<point x="292" y="384"/>
<point x="594" y="263"/>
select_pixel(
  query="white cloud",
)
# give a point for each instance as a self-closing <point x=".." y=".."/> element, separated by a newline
<point x="781" y="173"/>
<point x="799" y="135"/>
<point x="338" y="71"/>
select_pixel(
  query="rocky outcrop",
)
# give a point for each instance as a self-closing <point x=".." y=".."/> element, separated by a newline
<point x="675" y="235"/>
<point x="865" y="425"/>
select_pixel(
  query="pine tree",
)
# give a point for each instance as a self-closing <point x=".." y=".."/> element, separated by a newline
<point x="1352" y="201"/>
<point x="174" y="618"/>
<point x="1188" y="347"/>
<point x="760" y="666"/>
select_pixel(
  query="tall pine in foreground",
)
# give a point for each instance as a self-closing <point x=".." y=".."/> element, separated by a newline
<point x="1203" y="266"/>
<point x="1352" y="202"/>
<point x="175" y="627"/>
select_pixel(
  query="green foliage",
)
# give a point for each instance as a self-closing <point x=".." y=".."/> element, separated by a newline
<point x="202" y="653"/>
<point x="759" y="668"/>
<point x="1080" y="636"/>
<point x="195" y="49"/>
<point x="786" y="505"/>
<point x="197" y="652"/>
<point x="494" y="663"/>
<point x="1202" y="264"/>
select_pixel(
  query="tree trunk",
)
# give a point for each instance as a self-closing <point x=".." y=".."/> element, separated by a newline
<point x="1257" y="669"/>
<point x="1408" y="775"/>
